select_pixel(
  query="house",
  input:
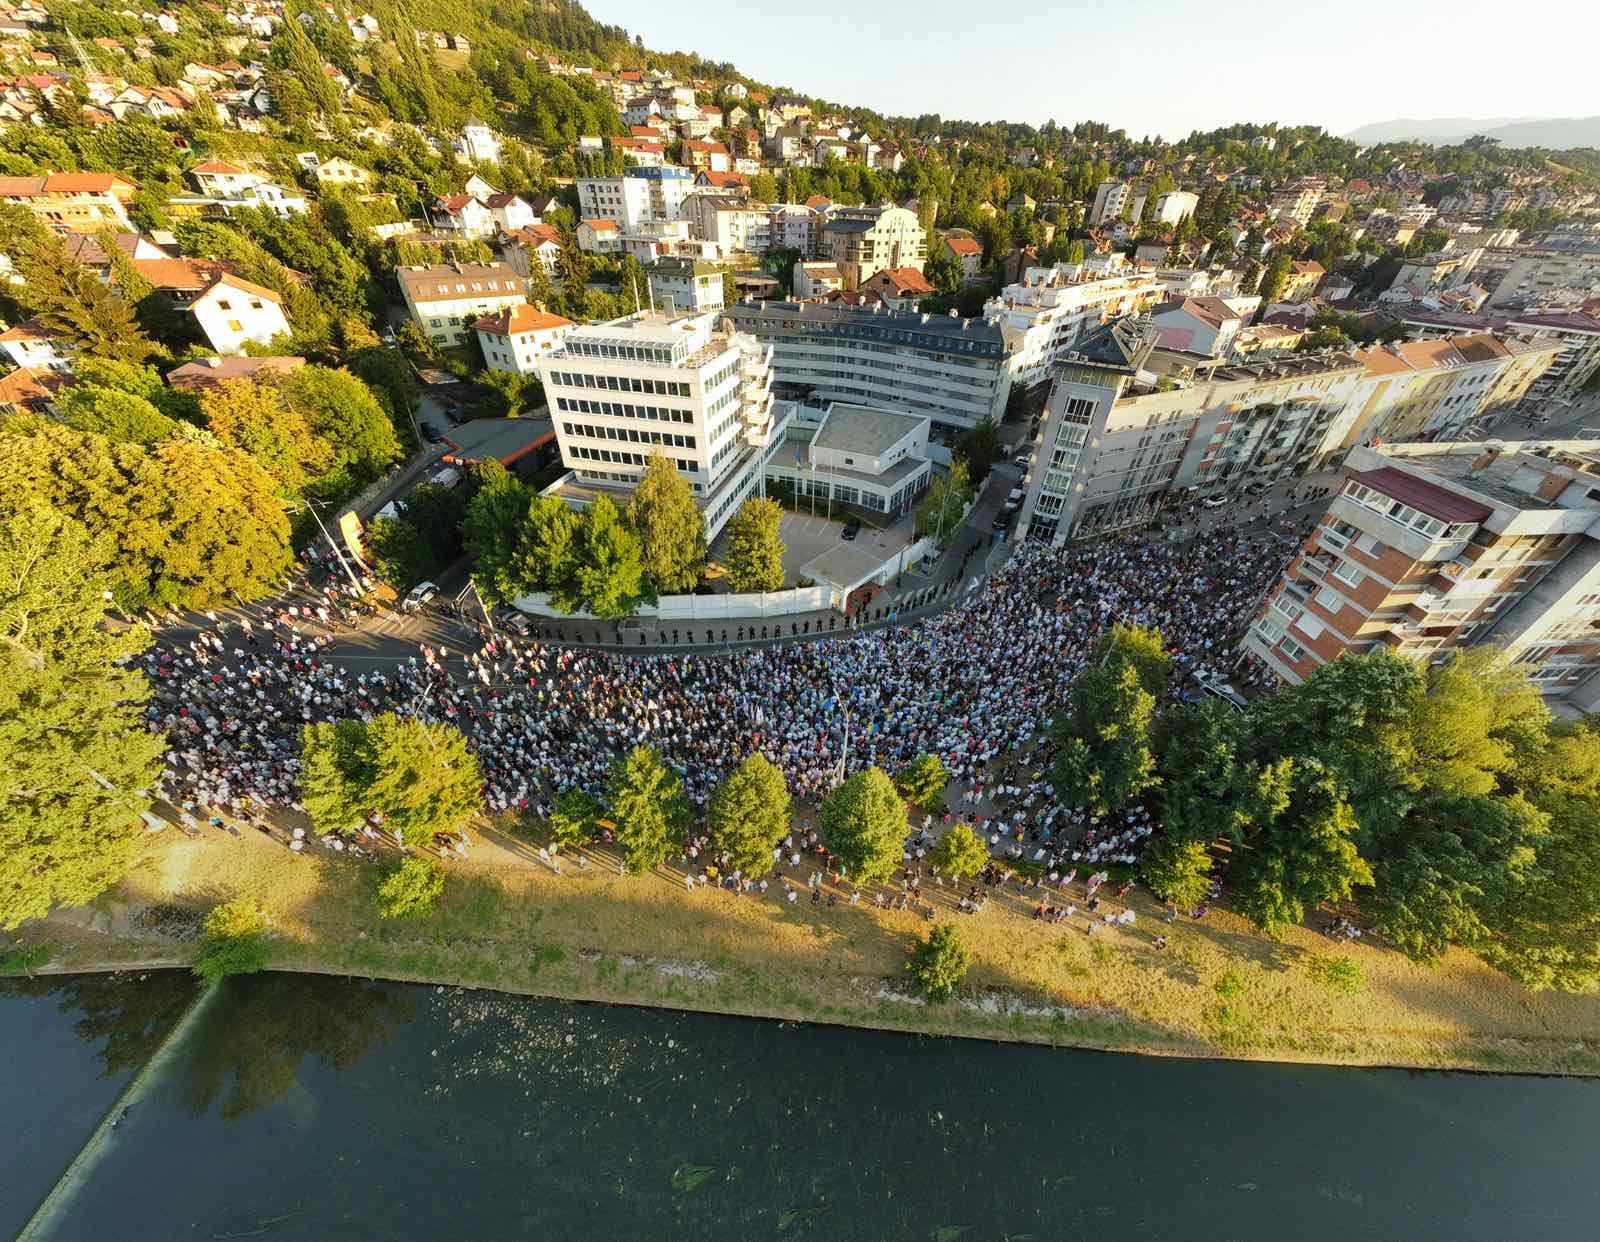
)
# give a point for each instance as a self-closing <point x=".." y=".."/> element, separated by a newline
<point x="721" y="180"/>
<point x="1302" y="280"/>
<point x="77" y="201"/>
<point x="204" y="373"/>
<point x="478" y="144"/>
<point x="34" y="347"/>
<point x="899" y="288"/>
<point x="1204" y="325"/>
<point x="968" y="252"/>
<point x="538" y="243"/>
<point x="337" y="172"/>
<point x="638" y="110"/>
<point x="28" y="391"/>
<point x="599" y="236"/>
<point x="227" y="309"/>
<point x="816" y="280"/>
<point x="510" y="212"/>
<point x="225" y="188"/>
<point x="712" y="156"/>
<point x="443" y="297"/>
<point x="463" y="214"/>
<point x="643" y="152"/>
<point x="514" y="338"/>
<point x="687" y="285"/>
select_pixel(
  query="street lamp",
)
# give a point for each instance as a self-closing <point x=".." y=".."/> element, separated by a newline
<point x="338" y="553"/>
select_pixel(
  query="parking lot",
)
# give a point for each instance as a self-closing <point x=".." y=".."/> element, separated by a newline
<point x="806" y="537"/>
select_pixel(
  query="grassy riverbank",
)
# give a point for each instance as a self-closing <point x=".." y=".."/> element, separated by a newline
<point x="507" y="922"/>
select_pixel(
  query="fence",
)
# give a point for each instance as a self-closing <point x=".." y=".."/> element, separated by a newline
<point x="704" y="607"/>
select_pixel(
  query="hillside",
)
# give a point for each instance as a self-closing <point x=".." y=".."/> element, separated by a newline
<point x="1555" y="132"/>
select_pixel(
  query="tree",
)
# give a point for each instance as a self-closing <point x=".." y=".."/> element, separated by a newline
<point x="923" y="781"/>
<point x="233" y="940"/>
<point x="939" y="963"/>
<point x="865" y="823"/>
<point x="254" y="417"/>
<point x="411" y="889"/>
<point x="1106" y="756"/>
<point x="979" y="447"/>
<point x="572" y="818"/>
<point x="547" y="552"/>
<point x="420" y="778"/>
<point x="120" y="416"/>
<point x="343" y="412"/>
<point x="608" y="577"/>
<point x="752" y="558"/>
<point x="940" y="512"/>
<point x="648" y="807"/>
<point x="1302" y="851"/>
<point x="76" y="762"/>
<point x="491" y="529"/>
<point x="1274" y="278"/>
<point x="749" y="814"/>
<point x="960" y="852"/>
<point x="1198" y="763"/>
<point x="1178" y="870"/>
<point x="672" y="536"/>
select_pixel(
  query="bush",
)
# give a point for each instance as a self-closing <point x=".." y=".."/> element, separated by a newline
<point x="233" y="941"/>
<point x="1339" y="975"/>
<point x="939" y="963"/>
<point x="411" y="889"/>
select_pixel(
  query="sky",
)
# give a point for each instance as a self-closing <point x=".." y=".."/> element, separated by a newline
<point x="1165" y="67"/>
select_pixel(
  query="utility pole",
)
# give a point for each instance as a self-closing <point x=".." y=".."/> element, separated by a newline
<point x="477" y="595"/>
<point x="338" y="552"/>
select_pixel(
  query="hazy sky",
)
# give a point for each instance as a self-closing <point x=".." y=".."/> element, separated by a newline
<point x="1152" y="66"/>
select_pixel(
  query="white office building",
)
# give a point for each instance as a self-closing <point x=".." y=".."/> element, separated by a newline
<point x="687" y="387"/>
<point x="639" y="196"/>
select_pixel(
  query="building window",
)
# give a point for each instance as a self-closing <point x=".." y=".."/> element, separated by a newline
<point x="1348" y="573"/>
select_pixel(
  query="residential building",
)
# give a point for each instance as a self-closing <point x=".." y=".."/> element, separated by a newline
<point x="711" y="156"/>
<point x="638" y="196"/>
<point x="516" y="338"/>
<point x="1110" y="202"/>
<point x="641" y="152"/>
<point x="682" y="386"/>
<point x="730" y="221"/>
<point x="81" y="202"/>
<point x="685" y="285"/>
<point x="1301" y="280"/>
<point x="465" y="215"/>
<point x="855" y="455"/>
<point x="1176" y="206"/>
<point x="953" y="371"/>
<point x="793" y="226"/>
<point x="1560" y="269"/>
<point x="1051" y="309"/>
<point x="226" y="188"/>
<point x="1578" y="335"/>
<point x="1297" y="200"/>
<point x="34" y="347"/>
<point x="968" y="252"/>
<point x="599" y="236"/>
<point x="1203" y="326"/>
<point x="444" y="297"/>
<point x="510" y="213"/>
<point x="30" y="391"/>
<point x="865" y="240"/>
<point x="478" y="144"/>
<point x="204" y="373"/>
<point x="1428" y="548"/>
<point x="899" y="288"/>
<point x="816" y="279"/>
<point x="337" y="173"/>
<point x="537" y="244"/>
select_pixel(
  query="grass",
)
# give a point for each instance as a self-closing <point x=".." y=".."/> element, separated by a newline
<point x="506" y="921"/>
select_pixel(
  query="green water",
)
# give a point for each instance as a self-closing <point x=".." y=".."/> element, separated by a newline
<point x="299" y="1107"/>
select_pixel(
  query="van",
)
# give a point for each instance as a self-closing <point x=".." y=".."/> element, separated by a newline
<point x="420" y="594"/>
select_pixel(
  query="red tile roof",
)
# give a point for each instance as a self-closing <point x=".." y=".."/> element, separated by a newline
<point x="515" y="320"/>
<point x="1429" y="498"/>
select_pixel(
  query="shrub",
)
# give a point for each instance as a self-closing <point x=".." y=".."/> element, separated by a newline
<point x="233" y="940"/>
<point x="939" y="963"/>
<point x="411" y="889"/>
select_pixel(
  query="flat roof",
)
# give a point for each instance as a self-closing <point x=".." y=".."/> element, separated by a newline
<point x="863" y="429"/>
<point x="843" y="565"/>
<point x="506" y="439"/>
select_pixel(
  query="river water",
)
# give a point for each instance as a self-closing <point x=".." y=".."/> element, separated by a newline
<point x="301" y="1107"/>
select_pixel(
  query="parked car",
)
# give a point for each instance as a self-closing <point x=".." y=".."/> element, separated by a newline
<point x="1014" y="499"/>
<point x="432" y="432"/>
<point x="517" y="623"/>
<point x="419" y="595"/>
<point x="1214" y="502"/>
<point x="1022" y="459"/>
<point x="1217" y="686"/>
<point x="852" y="528"/>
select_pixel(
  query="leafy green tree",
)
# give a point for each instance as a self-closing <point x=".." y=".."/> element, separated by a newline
<point x="572" y="818"/>
<point x="1302" y="851"/>
<point x="76" y="763"/>
<point x="865" y="823"/>
<point x="411" y="889"/>
<point x="233" y="940"/>
<point x="648" y="807"/>
<point x="342" y="411"/>
<point x="609" y="571"/>
<point x="491" y="530"/>
<point x="979" y="447"/>
<point x="420" y="778"/>
<point x="1198" y="763"/>
<point x="254" y="417"/>
<point x="120" y="416"/>
<point x="939" y="512"/>
<point x="960" y="852"/>
<point x="752" y="558"/>
<point x="672" y="536"/>
<point x="923" y="781"/>
<point x="749" y="814"/>
<point x="547" y="552"/>
<point x="1178" y="870"/>
<point x="1107" y="755"/>
<point x="1274" y="278"/>
<point x="939" y="963"/>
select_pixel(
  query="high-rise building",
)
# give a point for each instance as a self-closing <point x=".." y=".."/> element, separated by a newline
<point x="1110" y="201"/>
<point x="1053" y="308"/>
<point x="865" y="240"/>
<point x="953" y="371"/>
<point x="1431" y="547"/>
<point x="685" y="387"/>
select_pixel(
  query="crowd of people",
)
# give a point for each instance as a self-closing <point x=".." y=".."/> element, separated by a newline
<point x="975" y="685"/>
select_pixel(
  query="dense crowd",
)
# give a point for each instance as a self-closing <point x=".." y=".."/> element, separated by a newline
<point x="974" y="685"/>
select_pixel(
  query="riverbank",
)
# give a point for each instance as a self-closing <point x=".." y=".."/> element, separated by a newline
<point x="507" y="922"/>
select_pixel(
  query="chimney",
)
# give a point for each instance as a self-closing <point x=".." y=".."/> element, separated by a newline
<point x="1484" y="459"/>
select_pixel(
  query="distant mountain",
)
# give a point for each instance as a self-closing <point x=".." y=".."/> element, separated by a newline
<point x="1558" y="133"/>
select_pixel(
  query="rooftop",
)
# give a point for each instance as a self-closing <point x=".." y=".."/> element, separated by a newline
<point x="506" y="439"/>
<point x="863" y="429"/>
<point x="914" y="327"/>
<point x="1430" y="498"/>
<point x="206" y="372"/>
<point x="515" y="320"/>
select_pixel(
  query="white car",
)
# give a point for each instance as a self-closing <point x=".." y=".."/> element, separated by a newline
<point x="1214" y="502"/>
<point x="420" y="594"/>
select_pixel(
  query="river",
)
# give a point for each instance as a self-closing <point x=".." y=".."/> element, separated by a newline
<point x="304" y="1107"/>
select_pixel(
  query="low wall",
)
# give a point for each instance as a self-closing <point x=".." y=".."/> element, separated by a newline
<point x="703" y="607"/>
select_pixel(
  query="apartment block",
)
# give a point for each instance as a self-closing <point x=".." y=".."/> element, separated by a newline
<point x="647" y="383"/>
<point x="1298" y="200"/>
<point x="443" y="297"/>
<point x="1563" y="269"/>
<point x="953" y="371"/>
<point x="1575" y="333"/>
<point x="1052" y="309"/>
<point x="1431" y="547"/>
<point x="683" y="284"/>
<point x="865" y="240"/>
<point x="639" y="196"/>
<point x="1110" y="202"/>
<point x="793" y="226"/>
